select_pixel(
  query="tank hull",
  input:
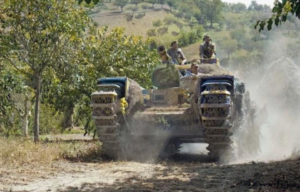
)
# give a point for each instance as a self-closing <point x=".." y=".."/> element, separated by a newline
<point x="202" y="109"/>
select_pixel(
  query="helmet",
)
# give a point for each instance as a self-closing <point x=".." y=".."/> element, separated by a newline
<point x="206" y="36"/>
<point x="174" y="42"/>
<point x="161" y="49"/>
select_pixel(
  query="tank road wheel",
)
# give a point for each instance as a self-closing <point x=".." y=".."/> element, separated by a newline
<point x="215" y="109"/>
<point x="107" y="121"/>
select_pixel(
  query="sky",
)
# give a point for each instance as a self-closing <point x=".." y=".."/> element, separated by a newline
<point x="247" y="2"/>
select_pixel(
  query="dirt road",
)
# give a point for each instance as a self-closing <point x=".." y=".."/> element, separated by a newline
<point x="183" y="173"/>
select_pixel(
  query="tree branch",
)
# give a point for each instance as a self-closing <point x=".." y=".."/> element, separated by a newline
<point x="15" y="66"/>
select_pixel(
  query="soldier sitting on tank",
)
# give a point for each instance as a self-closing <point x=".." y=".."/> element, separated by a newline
<point x="192" y="71"/>
<point x="207" y="49"/>
<point x="165" y="58"/>
<point x="176" y="54"/>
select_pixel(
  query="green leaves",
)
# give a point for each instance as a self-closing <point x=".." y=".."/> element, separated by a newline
<point x="270" y="23"/>
<point x="89" y="1"/>
<point x="281" y="11"/>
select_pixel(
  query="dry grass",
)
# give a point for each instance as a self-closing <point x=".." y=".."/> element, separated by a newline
<point x="17" y="152"/>
<point x="136" y="26"/>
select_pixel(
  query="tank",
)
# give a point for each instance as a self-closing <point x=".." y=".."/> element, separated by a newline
<point x="180" y="108"/>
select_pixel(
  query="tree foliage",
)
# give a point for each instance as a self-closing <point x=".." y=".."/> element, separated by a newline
<point x="238" y="34"/>
<point x="136" y="2"/>
<point x="162" y="2"/>
<point x="39" y="35"/>
<point x="10" y="83"/>
<point x="213" y="9"/>
<point x="121" y="3"/>
<point x="104" y="54"/>
<point x="151" y="2"/>
<point x="171" y="4"/>
<point x="157" y="23"/>
<point x="280" y="14"/>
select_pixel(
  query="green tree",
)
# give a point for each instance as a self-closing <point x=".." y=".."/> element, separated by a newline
<point x="280" y="13"/>
<point x="121" y="3"/>
<point x="151" y="2"/>
<point x="238" y="34"/>
<point x="229" y="46"/>
<point x="132" y="8"/>
<point x="254" y="5"/>
<point x="39" y="35"/>
<point x="136" y="2"/>
<point x="157" y="23"/>
<point x="10" y="84"/>
<point x="171" y="4"/>
<point x="103" y="55"/>
<point x="239" y="7"/>
<point x="162" y="2"/>
<point x="212" y="9"/>
<point x="95" y="2"/>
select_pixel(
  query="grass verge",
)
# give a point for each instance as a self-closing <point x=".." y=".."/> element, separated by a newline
<point x="18" y="151"/>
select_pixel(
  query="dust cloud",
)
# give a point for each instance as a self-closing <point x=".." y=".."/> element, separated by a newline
<point x="275" y="89"/>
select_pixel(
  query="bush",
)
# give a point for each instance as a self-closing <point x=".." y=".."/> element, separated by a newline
<point x="145" y="6"/>
<point x="153" y="45"/>
<point x="179" y="14"/>
<point x="129" y="17"/>
<point x="151" y="32"/>
<point x="174" y="33"/>
<point x="139" y="16"/>
<point x="188" y="38"/>
<point x="162" y="30"/>
<point x="157" y="23"/>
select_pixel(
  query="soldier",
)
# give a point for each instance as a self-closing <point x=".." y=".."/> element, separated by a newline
<point x="165" y="58"/>
<point x="176" y="54"/>
<point x="207" y="49"/>
<point x="194" y="69"/>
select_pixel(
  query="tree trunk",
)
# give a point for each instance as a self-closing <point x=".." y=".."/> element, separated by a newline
<point x="153" y="5"/>
<point x="36" y="128"/>
<point x="121" y="9"/>
<point x="211" y="23"/>
<point x="25" y="118"/>
<point x="68" y="118"/>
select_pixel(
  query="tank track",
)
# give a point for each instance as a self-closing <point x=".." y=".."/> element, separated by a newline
<point x="106" y="117"/>
<point x="215" y="109"/>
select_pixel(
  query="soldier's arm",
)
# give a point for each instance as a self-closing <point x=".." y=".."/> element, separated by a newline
<point x="214" y="48"/>
<point x="201" y="51"/>
<point x="183" y="56"/>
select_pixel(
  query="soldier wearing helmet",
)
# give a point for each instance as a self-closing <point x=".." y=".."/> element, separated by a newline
<point x="207" y="49"/>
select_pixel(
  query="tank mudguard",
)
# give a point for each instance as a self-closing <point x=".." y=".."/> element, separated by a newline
<point x="226" y="80"/>
<point x="121" y="84"/>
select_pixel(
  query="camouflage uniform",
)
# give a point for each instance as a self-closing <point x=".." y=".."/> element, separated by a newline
<point x="207" y="50"/>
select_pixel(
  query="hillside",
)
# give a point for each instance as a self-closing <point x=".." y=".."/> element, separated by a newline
<point x="113" y="17"/>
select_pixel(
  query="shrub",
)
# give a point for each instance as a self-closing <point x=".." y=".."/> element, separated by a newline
<point x="162" y="30"/>
<point x="139" y="16"/>
<point x="151" y="32"/>
<point x="129" y="17"/>
<point x="157" y="23"/>
<point x="145" y="6"/>
<point x="174" y="33"/>
<point x="188" y="38"/>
